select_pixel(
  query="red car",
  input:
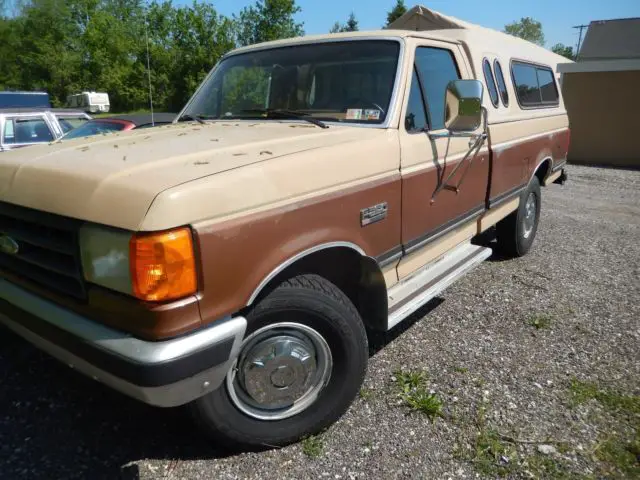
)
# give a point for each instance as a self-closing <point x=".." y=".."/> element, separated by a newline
<point x="119" y="123"/>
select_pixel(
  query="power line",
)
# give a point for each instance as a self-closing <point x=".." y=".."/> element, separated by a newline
<point x="581" y="27"/>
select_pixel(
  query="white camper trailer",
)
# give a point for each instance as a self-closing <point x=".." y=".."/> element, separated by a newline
<point x="93" y="102"/>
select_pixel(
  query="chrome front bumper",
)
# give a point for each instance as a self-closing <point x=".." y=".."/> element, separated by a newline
<point x="165" y="373"/>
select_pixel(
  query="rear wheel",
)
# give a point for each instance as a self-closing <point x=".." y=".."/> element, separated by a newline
<point x="300" y="366"/>
<point x="516" y="232"/>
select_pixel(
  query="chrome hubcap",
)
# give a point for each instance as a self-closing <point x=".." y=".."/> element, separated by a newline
<point x="280" y="371"/>
<point x="529" y="220"/>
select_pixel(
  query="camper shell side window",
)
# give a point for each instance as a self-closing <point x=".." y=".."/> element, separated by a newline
<point x="534" y="84"/>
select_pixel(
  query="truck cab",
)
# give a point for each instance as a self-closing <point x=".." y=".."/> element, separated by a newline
<point x="313" y="190"/>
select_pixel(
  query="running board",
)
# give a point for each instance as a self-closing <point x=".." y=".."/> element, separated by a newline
<point x="427" y="282"/>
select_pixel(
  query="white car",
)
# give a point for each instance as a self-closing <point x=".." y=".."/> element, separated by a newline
<point x="21" y="127"/>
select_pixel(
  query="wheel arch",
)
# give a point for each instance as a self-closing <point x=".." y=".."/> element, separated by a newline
<point x="543" y="169"/>
<point x="344" y="264"/>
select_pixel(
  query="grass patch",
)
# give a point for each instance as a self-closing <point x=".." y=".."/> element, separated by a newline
<point x="582" y="392"/>
<point x="540" y="321"/>
<point x="544" y="466"/>
<point x="621" y="459"/>
<point x="460" y="369"/>
<point x="312" y="446"/>
<point x="494" y="457"/>
<point x="365" y="393"/>
<point x="413" y="390"/>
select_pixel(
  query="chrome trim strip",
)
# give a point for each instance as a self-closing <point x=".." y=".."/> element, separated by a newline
<point x="297" y="257"/>
<point x="510" y="143"/>
<point x="393" y="102"/>
<point x="114" y="341"/>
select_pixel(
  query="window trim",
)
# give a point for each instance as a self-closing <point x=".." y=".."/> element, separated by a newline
<point x="536" y="65"/>
<point x="495" y="104"/>
<point x="424" y="102"/>
<point x="496" y="61"/>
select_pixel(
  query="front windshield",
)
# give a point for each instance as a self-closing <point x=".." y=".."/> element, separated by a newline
<point x="348" y="82"/>
<point x="95" y="127"/>
<point x="69" y="122"/>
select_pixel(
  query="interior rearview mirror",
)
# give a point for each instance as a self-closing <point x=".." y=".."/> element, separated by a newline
<point x="463" y="106"/>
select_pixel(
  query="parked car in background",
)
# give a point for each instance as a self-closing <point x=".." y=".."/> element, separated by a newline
<point x="21" y="127"/>
<point x="10" y="99"/>
<point x="93" y="102"/>
<point x="120" y="123"/>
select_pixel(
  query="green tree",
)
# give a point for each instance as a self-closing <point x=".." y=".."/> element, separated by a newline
<point x="396" y="12"/>
<point x="267" y="20"/>
<point x="563" y="50"/>
<point x="350" y="26"/>
<point x="528" y="29"/>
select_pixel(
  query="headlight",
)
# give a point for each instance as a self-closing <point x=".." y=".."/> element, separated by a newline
<point x="150" y="266"/>
<point x="105" y="257"/>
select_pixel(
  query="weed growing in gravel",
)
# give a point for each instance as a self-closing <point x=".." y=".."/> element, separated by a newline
<point x="365" y="393"/>
<point x="312" y="446"/>
<point x="582" y="392"/>
<point x="414" y="392"/>
<point x="540" y="321"/>
<point x="408" y="381"/>
<point x="621" y="456"/>
<point x="494" y="457"/>
<point x="460" y="369"/>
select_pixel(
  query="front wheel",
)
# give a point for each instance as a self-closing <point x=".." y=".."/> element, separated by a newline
<point x="516" y="232"/>
<point x="300" y="366"/>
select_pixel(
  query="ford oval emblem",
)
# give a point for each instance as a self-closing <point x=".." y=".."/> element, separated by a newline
<point x="8" y="245"/>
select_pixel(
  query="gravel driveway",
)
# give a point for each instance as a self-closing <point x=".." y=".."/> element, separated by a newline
<point x="536" y="362"/>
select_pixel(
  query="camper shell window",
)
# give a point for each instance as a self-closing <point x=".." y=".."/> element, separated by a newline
<point x="534" y="84"/>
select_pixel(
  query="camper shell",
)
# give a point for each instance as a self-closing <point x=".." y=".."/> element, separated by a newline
<point x="236" y="260"/>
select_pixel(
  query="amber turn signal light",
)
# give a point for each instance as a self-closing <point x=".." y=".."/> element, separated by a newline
<point x="163" y="265"/>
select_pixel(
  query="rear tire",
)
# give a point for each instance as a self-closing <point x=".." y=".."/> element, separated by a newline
<point x="305" y="342"/>
<point x="516" y="232"/>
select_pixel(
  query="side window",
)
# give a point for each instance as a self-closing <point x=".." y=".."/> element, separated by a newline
<point x="416" y="117"/>
<point x="535" y="86"/>
<point x="502" y="86"/>
<point x="491" y="83"/>
<point x="26" y="130"/>
<point x="547" y="84"/>
<point x="437" y="68"/>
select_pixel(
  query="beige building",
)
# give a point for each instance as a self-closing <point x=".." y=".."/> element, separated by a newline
<point x="602" y="95"/>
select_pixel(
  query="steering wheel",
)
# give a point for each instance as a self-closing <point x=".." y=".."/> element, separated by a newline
<point x="364" y="101"/>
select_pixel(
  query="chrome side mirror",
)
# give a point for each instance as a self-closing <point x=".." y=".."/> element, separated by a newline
<point x="463" y="106"/>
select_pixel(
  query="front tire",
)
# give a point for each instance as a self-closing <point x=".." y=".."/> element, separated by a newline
<point x="301" y="364"/>
<point x="516" y="232"/>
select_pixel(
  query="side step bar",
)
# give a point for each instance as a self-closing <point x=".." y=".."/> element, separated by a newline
<point x="427" y="282"/>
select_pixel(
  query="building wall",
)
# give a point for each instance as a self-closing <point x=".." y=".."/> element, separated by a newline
<point x="604" y="114"/>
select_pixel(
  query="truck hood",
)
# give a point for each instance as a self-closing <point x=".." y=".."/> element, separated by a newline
<point x="114" y="179"/>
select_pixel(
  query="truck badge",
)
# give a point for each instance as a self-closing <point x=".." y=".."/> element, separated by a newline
<point x="373" y="214"/>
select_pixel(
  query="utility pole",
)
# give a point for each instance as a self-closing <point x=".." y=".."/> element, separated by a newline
<point x="581" y="27"/>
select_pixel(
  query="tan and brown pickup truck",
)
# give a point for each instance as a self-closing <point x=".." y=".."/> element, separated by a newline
<point x="312" y="190"/>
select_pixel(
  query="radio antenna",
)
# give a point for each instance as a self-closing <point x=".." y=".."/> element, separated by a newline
<point x="146" y="36"/>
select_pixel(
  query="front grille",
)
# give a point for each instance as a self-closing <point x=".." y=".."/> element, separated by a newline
<point x="48" y="250"/>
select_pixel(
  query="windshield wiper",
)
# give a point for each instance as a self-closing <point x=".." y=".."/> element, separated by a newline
<point x="187" y="117"/>
<point x="284" y="113"/>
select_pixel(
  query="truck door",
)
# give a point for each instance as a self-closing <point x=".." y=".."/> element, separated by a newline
<point x="429" y="210"/>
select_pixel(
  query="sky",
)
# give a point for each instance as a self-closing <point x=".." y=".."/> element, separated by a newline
<point x="557" y="16"/>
